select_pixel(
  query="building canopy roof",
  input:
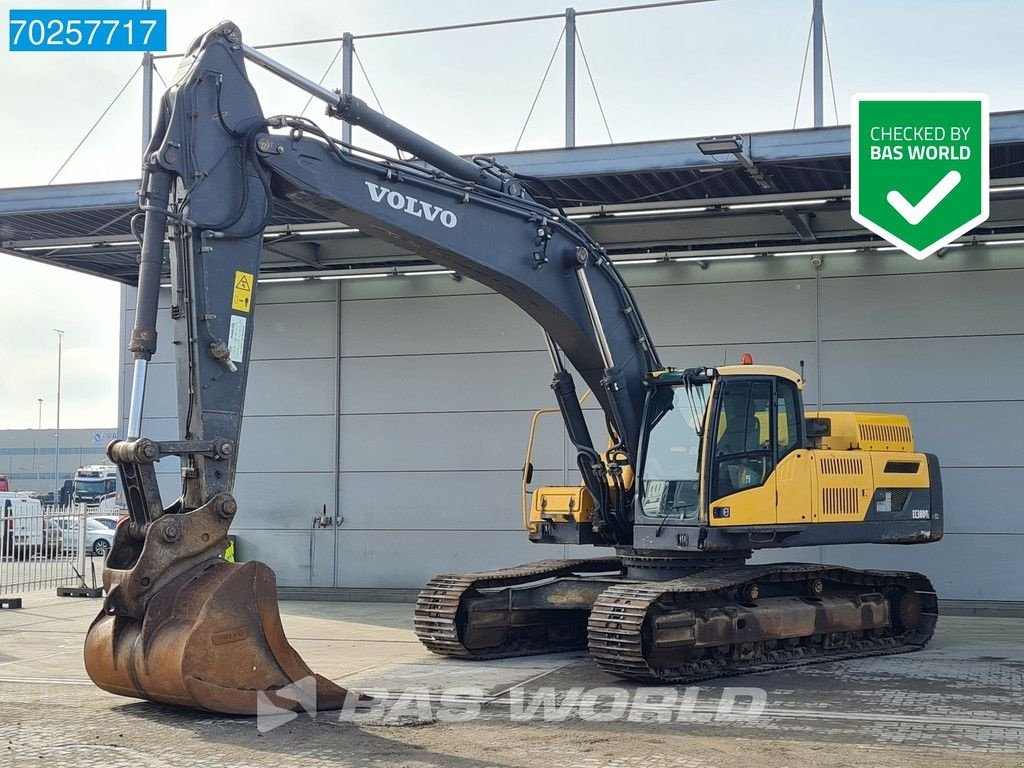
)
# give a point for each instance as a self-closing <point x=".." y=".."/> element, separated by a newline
<point x="789" y="190"/>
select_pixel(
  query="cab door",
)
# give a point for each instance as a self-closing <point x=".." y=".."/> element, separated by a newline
<point x="741" y="482"/>
<point x="794" y="478"/>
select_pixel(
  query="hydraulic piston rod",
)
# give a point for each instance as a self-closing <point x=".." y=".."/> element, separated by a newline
<point x="347" y="107"/>
<point x="143" y="343"/>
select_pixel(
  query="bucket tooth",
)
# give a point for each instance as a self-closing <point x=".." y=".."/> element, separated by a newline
<point x="209" y="639"/>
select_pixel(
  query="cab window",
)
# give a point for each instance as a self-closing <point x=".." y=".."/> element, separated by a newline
<point x="671" y="483"/>
<point x="743" y="454"/>
<point x="788" y="424"/>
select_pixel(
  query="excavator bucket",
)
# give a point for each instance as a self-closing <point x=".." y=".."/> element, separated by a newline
<point x="209" y="638"/>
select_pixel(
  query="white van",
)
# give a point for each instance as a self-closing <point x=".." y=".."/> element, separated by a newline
<point x="24" y="531"/>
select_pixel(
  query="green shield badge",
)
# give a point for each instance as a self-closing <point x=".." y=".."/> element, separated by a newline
<point x="920" y="167"/>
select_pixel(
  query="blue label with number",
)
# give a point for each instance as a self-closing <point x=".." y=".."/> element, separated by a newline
<point x="81" y="30"/>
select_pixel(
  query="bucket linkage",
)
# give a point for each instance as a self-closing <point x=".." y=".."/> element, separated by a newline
<point x="182" y="626"/>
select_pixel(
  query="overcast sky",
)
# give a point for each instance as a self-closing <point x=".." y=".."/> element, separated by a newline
<point x="722" y="67"/>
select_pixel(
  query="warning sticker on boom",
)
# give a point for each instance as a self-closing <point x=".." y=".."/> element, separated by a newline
<point x="236" y="338"/>
<point x="241" y="298"/>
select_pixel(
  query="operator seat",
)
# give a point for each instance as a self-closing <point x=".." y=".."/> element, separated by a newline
<point x="732" y="471"/>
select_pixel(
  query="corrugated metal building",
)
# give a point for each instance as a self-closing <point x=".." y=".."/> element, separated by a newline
<point x="399" y="407"/>
<point x="438" y="381"/>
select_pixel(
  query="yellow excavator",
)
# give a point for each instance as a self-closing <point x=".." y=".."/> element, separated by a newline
<point x="703" y="466"/>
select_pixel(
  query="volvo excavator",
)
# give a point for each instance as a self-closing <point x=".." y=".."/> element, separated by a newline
<point x="701" y="466"/>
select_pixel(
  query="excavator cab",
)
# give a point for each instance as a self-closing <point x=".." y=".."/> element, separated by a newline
<point x="718" y="433"/>
<point x="729" y="457"/>
<point x="709" y="434"/>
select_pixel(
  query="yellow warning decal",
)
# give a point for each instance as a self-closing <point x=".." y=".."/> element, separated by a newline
<point x="241" y="299"/>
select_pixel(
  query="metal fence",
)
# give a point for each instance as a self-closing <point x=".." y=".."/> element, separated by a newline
<point x="49" y="547"/>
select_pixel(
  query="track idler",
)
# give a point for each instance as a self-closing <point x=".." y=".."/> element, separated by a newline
<point x="182" y="626"/>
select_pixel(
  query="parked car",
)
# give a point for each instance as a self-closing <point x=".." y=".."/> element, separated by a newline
<point x="99" y="535"/>
<point x="108" y="520"/>
<point x="68" y="536"/>
<point x="54" y="538"/>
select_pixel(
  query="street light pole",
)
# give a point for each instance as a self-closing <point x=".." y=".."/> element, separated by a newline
<point x="56" y="456"/>
<point x="35" y="443"/>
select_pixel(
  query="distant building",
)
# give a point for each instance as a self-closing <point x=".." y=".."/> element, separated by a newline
<point x="26" y="455"/>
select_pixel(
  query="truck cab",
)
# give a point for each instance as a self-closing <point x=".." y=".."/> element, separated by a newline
<point x="94" y="483"/>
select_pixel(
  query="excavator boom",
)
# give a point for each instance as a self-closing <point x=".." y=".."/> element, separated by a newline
<point x="212" y="170"/>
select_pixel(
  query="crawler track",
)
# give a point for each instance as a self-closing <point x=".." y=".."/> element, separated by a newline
<point x="626" y="631"/>
<point x="437" y="608"/>
<point x="621" y="634"/>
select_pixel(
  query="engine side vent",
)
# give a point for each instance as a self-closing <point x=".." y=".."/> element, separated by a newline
<point x="836" y="465"/>
<point x="851" y="431"/>
<point x="902" y="467"/>
<point x="885" y="433"/>
<point x="899" y="498"/>
<point x="839" y="501"/>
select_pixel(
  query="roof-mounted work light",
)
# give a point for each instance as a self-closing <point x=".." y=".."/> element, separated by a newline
<point x="729" y="145"/>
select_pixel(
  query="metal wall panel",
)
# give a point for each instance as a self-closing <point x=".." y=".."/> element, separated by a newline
<point x="295" y="330"/>
<point x="459" y="442"/>
<point x="935" y="304"/>
<point x="291" y="387"/>
<point x="159" y="427"/>
<point x="300" y="558"/>
<point x="957" y="369"/>
<point x="436" y="325"/>
<point x="287" y="444"/>
<point x="432" y="383"/>
<point x="384" y="559"/>
<point x="439" y="379"/>
<point x="965" y="566"/>
<point x="299" y="292"/>
<point x="287" y="330"/>
<point x="961" y="566"/>
<point x="411" y="287"/>
<point x="276" y="387"/>
<point x="789" y="354"/>
<point x="450" y="501"/>
<point x="966" y="259"/>
<point x="734" y="312"/>
<point x="719" y="272"/>
<point x="984" y="500"/>
<point x="283" y="500"/>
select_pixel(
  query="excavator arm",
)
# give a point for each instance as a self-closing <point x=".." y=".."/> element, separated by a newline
<point x="179" y="624"/>
<point x="214" y="168"/>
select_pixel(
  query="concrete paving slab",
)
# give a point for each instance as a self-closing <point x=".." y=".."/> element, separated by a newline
<point x="959" y="701"/>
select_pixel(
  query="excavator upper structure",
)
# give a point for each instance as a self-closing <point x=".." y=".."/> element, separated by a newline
<point x="695" y="468"/>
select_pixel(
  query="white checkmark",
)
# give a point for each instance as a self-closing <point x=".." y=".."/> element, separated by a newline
<point x="916" y="213"/>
